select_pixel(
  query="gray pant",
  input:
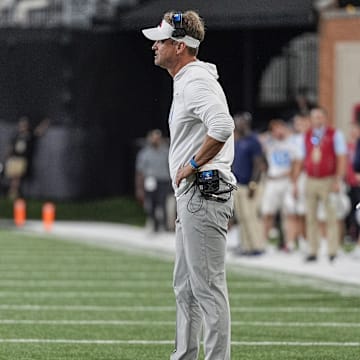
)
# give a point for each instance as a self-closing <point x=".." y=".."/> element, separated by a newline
<point x="199" y="278"/>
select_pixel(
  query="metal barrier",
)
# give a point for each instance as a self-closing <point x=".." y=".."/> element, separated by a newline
<point x="48" y="13"/>
<point x="295" y="69"/>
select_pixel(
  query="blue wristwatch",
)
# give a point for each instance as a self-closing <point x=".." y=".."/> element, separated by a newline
<point x="194" y="164"/>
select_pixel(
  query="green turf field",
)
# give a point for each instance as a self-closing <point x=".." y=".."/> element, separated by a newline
<point x="125" y="210"/>
<point x="62" y="300"/>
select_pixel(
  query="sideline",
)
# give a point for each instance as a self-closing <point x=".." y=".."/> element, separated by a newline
<point x="172" y="323"/>
<point x="171" y="342"/>
<point x="171" y="309"/>
<point x="344" y="271"/>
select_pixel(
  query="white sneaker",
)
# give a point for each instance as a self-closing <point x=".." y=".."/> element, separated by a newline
<point x="323" y="250"/>
<point x="303" y="246"/>
<point x="355" y="254"/>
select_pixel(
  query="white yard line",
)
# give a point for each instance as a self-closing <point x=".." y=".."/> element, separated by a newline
<point x="279" y="296"/>
<point x="295" y="309"/>
<point x="295" y="343"/>
<point x="172" y="323"/>
<point x="171" y="342"/>
<point x="268" y="309"/>
<point x="101" y="283"/>
<point x="82" y="294"/>
<point x="136" y="240"/>
<point x="91" y="308"/>
<point x="279" y="279"/>
<point x="80" y="274"/>
<point x="74" y="275"/>
<point x="157" y="295"/>
<point x="120" y="283"/>
<point x="87" y="322"/>
<point x="296" y="324"/>
<point x="75" y="267"/>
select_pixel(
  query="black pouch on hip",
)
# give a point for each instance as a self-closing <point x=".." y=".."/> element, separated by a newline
<point x="208" y="181"/>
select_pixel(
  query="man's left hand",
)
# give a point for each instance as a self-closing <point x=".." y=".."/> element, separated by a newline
<point x="183" y="173"/>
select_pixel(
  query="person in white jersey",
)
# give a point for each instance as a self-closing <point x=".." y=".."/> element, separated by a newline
<point x="200" y="158"/>
<point x="280" y="153"/>
<point x="295" y="198"/>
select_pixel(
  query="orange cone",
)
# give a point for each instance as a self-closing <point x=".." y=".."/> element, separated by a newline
<point x="19" y="212"/>
<point x="48" y="215"/>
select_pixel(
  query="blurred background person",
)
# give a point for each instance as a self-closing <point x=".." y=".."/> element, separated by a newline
<point x="295" y="197"/>
<point x="247" y="166"/>
<point x="280" y="154"/>
<point x="352" y="182"/>
<point x="19" y="157"/>
<point x="324" y="156"/>
<point x="343" y="207"/>
<point x="356" y="168"/>
<point x="152" y="179"/>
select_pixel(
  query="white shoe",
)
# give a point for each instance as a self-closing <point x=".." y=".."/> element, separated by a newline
<point x="323" y="247"/>
<point x="355" y="254"/>
<point x="303" y="246"/>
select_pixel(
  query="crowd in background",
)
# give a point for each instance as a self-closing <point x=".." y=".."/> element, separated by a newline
<point x="296" y="180"/>
<point x="297" y="185"/>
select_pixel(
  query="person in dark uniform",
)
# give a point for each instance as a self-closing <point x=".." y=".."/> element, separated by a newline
<point x="20" y="153"/>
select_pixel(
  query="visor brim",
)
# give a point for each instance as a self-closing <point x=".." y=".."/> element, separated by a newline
<point x="154" y="34"/>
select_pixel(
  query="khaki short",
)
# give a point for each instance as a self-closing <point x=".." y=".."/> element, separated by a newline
<point x="15" y="166"/>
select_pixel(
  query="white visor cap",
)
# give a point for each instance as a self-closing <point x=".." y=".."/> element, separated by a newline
<point x="165" y="30"/>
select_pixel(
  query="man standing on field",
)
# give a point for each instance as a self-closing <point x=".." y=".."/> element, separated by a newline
<point x="200" y="158"/>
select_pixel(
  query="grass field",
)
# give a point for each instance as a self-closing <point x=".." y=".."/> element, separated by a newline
<point x="62" y="300"/>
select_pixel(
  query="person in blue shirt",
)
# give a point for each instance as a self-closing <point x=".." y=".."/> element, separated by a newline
<point x="247" y="166"/>
<point x="356" y="167"/>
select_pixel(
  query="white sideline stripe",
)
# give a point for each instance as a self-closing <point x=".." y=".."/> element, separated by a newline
<point x="295" y="343"/>
<point x="294" y="309"/>
<point x="47" y="282"/>
<point x="101" y="283"/>
<point x="86" y="308"/>
<point x="71" y="294"/>
<point x="160" y="295"/>
<point x="171" y="342"/>
<point x="86" y="322"/>
<point x="75" y="267"/>
<point x="281" y="280"/>
<point x="296" y="324"/>
<point x="172" y="323"/>
<point x="85" y="283"/>
<point x="277" y="296"/>
<point x="120" y="275"/>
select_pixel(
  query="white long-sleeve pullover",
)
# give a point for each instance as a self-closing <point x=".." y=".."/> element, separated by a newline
<point x="199" y="108"/>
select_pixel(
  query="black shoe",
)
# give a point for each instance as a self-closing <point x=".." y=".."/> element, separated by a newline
<point x="311" y="258"/>
<point x="256" y="252"/>
<point x="332" y="258"/>
<point x="239" y="252"/>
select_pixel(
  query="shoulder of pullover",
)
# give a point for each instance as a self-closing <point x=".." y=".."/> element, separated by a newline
<point x="205" y="99"/>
